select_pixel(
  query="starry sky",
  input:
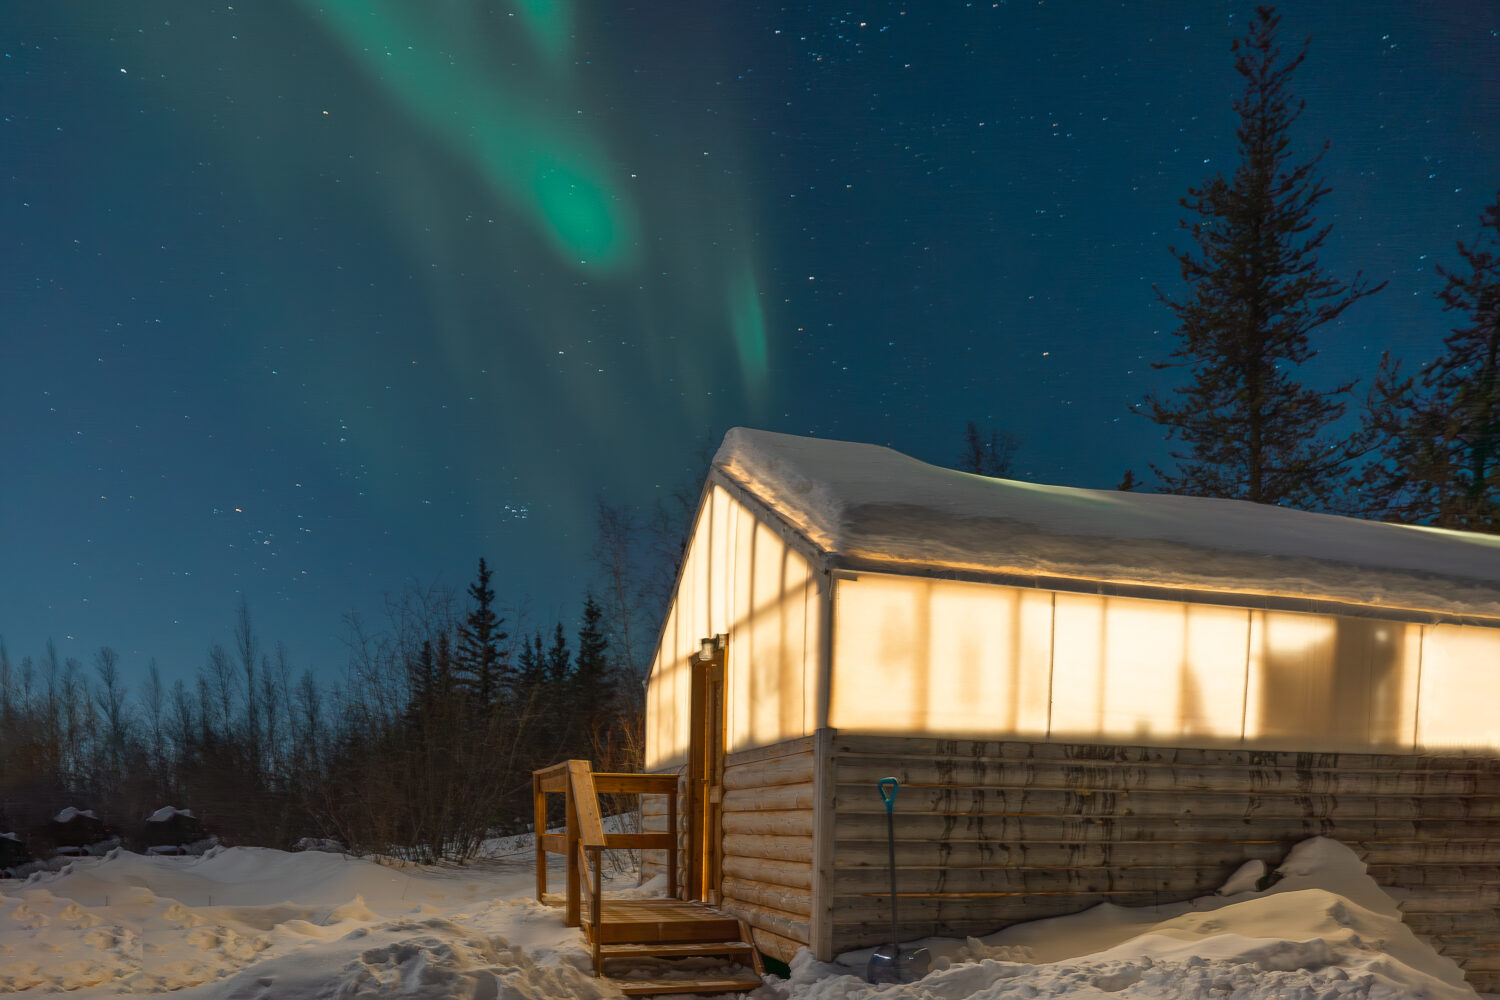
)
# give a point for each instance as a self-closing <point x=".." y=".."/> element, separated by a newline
<point x="305" y="300"/>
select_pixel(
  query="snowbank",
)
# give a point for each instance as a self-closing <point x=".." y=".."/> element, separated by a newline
<point x="252" y="923"/>
<point x="70" y="813"/>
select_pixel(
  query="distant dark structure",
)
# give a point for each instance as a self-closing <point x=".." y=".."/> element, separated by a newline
<point x="13" y="853"/>
<point x="76" y="829"/>
<point x="169" y="826"/>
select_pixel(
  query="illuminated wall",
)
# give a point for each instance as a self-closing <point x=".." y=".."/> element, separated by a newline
<point x="739" y="579"/>
<point x="940" y="657"/>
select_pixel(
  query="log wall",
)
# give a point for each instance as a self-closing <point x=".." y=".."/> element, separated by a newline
<point x="994" y="832"/>
<point x="768" y="818"/>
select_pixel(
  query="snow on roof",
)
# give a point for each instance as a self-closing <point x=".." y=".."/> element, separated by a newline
<point x="872" y="508"/>
<point x="167" y="812"/>
<point x="10" y="836"/>
<point x="67" y="815"/>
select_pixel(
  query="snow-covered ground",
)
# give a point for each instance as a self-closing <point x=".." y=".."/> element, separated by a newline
<point x="255" y="923"/>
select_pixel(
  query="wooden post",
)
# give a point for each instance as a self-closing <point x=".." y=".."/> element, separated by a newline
<point x="697" y="779"/>
<point x="572" y="917"/>
<point x="538" y="831"/>
<point x="672" y="833"/>
<point x="596" y="906"/>
<point x="714" y="771"/>
<point x="825" y="811"/>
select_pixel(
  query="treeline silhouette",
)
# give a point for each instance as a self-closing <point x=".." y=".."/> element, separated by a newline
<point x="423" y="750"/>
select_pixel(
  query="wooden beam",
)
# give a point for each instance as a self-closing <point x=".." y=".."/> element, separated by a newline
<point x="585" y="803"/>
<point x="792" y="770"/>
<point x="801" y="746"/>
<point x="777" y="897"/>
<point x="777" y="848"/>
<point x="788" y="925"/>
<point x="614" y="782"/>
<point x="824" y="860"/>
<point x="787" y="822"/>
<point x="638" y="841"/>
<point x="800" y="796"/>
<point x="797" y="875"/>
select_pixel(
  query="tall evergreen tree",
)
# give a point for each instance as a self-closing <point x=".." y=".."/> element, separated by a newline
<point x="589" y="686"/>
<point x="1439" y="432"/>
<point x="479" y="658"/>
<point x="1255" y="293"/>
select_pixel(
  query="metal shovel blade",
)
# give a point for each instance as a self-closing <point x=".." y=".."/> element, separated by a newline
<point x="890" y="964"/>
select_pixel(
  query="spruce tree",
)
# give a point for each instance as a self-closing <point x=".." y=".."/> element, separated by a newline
<point x="1439" y="433"/>
<point x="479" y="659"/>
<point x="1255" y="291"/>
<point x="589" y="686"/>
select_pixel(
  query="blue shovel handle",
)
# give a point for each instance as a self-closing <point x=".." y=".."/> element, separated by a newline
<point x="888" y="789"/>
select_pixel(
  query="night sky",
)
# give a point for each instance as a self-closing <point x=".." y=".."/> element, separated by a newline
<point x="302" y="301"/>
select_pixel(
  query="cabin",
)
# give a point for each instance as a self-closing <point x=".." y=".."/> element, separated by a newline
<point x="74" y="831"/>
<point x="1087" y="696"/>
<point x="170" y="830"/>
<point x="13" y="853"/>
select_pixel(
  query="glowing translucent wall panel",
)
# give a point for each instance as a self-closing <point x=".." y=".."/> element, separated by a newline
<point x="930" y="656"/>
<point x="1147" y="670"/>
<point x="769" y="651"/>
<point x="1328" y="681"/>
<point x="937" y="656"/>
<point x="668" y="707"/>
<point x="740" y="579"/>
<point x="1459" y="704"/>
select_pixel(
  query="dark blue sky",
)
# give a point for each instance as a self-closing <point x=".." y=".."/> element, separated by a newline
<point x="303" y="301"/>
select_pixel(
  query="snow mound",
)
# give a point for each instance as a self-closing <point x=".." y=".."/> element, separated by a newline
<point x="254" y="924"/>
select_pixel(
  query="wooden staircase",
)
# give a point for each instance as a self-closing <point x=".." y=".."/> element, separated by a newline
<point x="649" y="945"/>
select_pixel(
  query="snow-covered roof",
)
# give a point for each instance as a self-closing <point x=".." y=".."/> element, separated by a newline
<point x="68" y="814"/>
<point x="167" y="812"/>
<point x="870" y="508"/>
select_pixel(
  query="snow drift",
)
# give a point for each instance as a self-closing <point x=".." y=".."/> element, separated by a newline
<point x="252" y="923"/>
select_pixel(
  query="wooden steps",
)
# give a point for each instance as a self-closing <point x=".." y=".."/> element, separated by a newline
<point x="652" y="987"/>
<point x="680" y="950"/>
<point x="661" y="920"/>
<point x="654" y="935"/>
<point x="741" y="952"/>
<point x="654" y="946"/>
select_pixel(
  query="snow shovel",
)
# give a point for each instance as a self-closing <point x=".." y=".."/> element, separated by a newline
<point x="889" y="964"/>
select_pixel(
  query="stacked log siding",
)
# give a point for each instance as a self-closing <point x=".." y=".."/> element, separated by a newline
<point x="993" y="832"/>
<point x="768" y="872"/>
